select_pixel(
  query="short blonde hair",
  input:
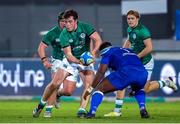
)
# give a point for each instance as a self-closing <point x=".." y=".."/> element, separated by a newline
<point x="133" y="12"/>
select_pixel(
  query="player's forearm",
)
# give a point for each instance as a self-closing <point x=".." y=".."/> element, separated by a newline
<point x="69" y="55"/>
<point x="41" y="50"/>
<point x="148" y="48"/>
<point x="41" y="53"/>
<point x="126" y="44"/>
<point x="73" y="59"/>
<point x="96" y="48"/>
<point x="97" y="79"/>
<point x="144" y="52"/>
<point x="97" y="42"/>
<point x="94" y="51"/>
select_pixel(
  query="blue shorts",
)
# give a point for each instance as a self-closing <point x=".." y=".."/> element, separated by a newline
<point x="133" y="76"/>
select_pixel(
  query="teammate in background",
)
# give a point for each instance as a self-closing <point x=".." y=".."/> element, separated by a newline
<point x="75" y="40"/>
<point x="139" y="40"/>
<point x="58" y="58"/>
<point x="127" y="71"/>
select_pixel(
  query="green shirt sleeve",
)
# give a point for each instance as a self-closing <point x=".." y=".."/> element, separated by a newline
<point x="146" y="33"/>
<point x="48" y="38"/>
<point x="89" y="29"/>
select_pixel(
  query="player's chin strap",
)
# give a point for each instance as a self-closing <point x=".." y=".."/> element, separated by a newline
<point x="103" y="51"/>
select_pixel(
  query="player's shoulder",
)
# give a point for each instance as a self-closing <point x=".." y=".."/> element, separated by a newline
<point x="146" y="32"/>
<point x="112" y="49"/>
<point x="81" y="23"/>
<point x="53" y="30"/>
<point x="64" y="33"/>
<point x="143" y="27"/>
<point x="129" y="29"/>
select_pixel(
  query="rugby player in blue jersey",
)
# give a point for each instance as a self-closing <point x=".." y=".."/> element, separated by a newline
<point x="128" y="70"/>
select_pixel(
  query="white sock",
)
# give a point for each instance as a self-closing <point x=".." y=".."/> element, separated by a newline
<point x="118" y="105"/>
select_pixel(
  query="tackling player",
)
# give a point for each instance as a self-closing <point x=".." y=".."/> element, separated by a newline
<point x="127" y="70"/>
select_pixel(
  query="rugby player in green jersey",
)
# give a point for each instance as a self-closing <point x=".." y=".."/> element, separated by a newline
<point x="75" y="40"/>
<point x="139" y="40"/>
<point x="57" y="61"/>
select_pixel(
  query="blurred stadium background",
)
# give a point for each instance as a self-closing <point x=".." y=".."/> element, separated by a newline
<point x="23" y="22"/>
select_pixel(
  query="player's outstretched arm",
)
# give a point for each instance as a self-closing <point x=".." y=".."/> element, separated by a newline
<point x="98" y="77"/>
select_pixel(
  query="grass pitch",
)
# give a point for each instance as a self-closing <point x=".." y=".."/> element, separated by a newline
<point x="21" y="112"/>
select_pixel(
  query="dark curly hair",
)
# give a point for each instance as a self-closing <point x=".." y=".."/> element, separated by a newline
<point x="104" y="45"/>
<point x="72" y="13"/>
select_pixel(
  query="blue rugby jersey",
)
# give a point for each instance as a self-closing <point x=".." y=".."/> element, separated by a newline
<point x="116" y="58"/>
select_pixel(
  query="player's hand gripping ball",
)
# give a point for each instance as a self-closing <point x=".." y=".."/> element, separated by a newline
<point x="86" y="58"/>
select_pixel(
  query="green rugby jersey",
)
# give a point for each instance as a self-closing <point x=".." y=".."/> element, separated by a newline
<point x="79" y="40"/>
<point x="52" y="38"/>
<point x="136" y="36"/>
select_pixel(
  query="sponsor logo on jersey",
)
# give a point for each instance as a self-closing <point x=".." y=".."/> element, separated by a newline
<point x="77" y="48"/>
<point x="70" y="40"/>
<point x="82" y="35"/>
<point x="134" y="36"/>
<point x="57" y="40"/>
<point x="64" y="65"/>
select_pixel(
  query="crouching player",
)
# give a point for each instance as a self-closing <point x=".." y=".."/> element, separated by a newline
<point x="128" y="71"/>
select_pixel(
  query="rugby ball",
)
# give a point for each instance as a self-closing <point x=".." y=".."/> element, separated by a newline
<point x="86" y="58"/>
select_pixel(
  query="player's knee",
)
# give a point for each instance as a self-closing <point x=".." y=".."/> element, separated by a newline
<point x="68" y="92"/>
<point x="87" y="85"/>
<point x="147" y="91"/>
<point x="53" y="85"/>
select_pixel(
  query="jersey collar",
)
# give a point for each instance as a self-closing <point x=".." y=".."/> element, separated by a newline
<point x="103" y="51"/>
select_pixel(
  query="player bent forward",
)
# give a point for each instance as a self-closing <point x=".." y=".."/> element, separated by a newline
<point x="128" y="70"/>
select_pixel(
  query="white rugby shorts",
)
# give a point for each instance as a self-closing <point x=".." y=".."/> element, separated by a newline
<point x="149" y="67"/>
<point x="64" y="64"/>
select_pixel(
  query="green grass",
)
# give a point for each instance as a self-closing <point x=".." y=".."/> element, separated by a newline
<point x="21" y="112"/>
